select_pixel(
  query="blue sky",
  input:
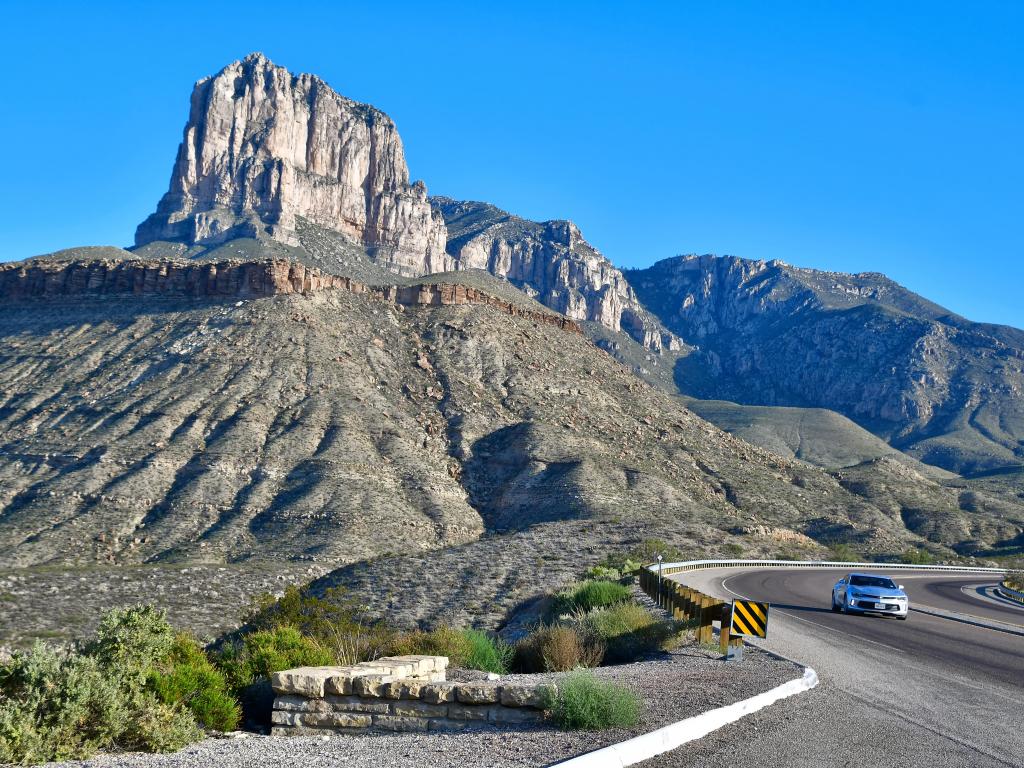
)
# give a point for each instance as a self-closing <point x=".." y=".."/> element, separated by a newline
<point x="871" y="136"/>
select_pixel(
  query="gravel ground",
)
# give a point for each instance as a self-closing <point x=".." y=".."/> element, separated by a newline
<point x="673" y="686"/>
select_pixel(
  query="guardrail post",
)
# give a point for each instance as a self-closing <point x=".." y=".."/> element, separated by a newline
<point x="725" y="632"/>
<point x="704" y="619"/>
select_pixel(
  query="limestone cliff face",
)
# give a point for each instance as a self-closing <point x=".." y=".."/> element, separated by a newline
<point x="45" y="279"/>
<point x="263" y="147"/>
<point x="265" y="150"/>
<point x="552" y="262"/>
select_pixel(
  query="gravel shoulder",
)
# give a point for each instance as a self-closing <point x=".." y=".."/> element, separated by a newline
<point x="673" y="686"/>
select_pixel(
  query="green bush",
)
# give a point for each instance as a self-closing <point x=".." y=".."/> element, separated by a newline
<point x="917" y="557"/>
<point x="486" y="653"/>
<point x="131" y="640"/>
<point x="465" y="648"/>
<point x="58" y="705"/>
<point x="156" y="727"/>
<point x="628" y="630"/>
<point x="260" y="654"/>
<point x="584" y="702"/>
<point x="186" y="676"/>
<point x="589" y="595"/>
<point x="335" y="621"/>
<point x="844" y="553"/>
<point x="603" y="573"/>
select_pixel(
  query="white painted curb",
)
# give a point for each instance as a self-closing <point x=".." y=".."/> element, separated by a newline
<point x="649" y="745"/>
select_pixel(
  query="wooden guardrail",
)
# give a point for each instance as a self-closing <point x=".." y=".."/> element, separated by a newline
<point x="686" y="604"/>
<point x="1010" y="593"/>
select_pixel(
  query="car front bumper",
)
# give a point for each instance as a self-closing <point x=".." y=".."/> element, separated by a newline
<point x="879" y="605"/>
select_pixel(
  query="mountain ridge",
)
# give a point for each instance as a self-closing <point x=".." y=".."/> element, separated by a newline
<point x="948" y="391"/>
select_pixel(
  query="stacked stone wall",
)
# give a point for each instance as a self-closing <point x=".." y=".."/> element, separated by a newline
<point x="397" y="693"/>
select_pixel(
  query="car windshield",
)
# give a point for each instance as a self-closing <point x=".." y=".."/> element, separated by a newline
<point x="871" y="581"/>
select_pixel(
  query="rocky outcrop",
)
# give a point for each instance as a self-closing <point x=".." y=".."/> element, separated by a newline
<point x="263" y="147"/>
<point x="947" y="391"/>
<point x="552" y="262"/>
<point x="230" y="279"/>
<point x="264" y="151"/>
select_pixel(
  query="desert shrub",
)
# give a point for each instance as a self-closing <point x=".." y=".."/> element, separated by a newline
<point x="131" y="640"/>
<point x="627" y="630"/>
<point x="584" y="702"/>
<point x="443" y="641"/>
<point x="335" y="621"/>
<point x="465" y="648"/>
<point x="258" y="655"/>
<point x="57" y="705"/>
<point x="648" y="550"/>
<point x="1015" y="580"/>
<point x="248" y="662"/>
<point x="186" y="676"/>
<point x="157" y="727"/>
<point x="589" y="595"/>
<point x="843" y="553"/>
<point x="733" y="549"/>
<point x="916" y="556"/>
<point x="557" y="648"/>
<point x="603" y="573"/>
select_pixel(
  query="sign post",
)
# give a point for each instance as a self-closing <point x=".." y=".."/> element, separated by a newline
<point x="661" y="595"/>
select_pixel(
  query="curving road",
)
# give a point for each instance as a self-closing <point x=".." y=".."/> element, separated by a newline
<point x="925" y="692"/>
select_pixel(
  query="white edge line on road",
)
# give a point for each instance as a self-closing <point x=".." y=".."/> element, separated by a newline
<point x="649" y="745"/>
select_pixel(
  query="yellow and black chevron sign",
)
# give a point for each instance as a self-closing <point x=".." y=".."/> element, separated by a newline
<point x="749" y="618"/>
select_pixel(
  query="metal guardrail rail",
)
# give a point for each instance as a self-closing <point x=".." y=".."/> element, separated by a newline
<point x="695" y="565"/>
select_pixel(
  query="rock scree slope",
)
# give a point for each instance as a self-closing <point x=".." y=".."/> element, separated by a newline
<point x="447" y="457"/>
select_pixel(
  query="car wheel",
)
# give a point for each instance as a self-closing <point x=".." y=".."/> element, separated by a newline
<point x="846" y="606"/>
<point x="835" y="606"/>
<point x="902" y="618"/>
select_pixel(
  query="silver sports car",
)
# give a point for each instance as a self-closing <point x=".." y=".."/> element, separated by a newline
<point x="868" y="593"/>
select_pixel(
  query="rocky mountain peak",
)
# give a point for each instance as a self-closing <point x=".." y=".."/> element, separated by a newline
<point x="263" y="147"/>
<point x="552" y="262"/>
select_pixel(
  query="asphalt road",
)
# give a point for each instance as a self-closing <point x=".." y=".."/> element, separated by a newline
<point x="925" y="692"/>
<point x="969" y="596"/>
